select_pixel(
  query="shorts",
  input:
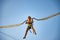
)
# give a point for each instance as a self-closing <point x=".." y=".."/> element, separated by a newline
<point x="29" y="27"/>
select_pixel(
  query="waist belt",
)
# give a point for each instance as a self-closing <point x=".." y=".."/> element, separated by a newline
<point x="29" y="24"/>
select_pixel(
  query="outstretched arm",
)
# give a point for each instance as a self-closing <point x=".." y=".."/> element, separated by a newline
<point x="47" y="17"/>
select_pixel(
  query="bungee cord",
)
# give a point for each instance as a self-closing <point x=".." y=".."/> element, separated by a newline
<point x="47" y="17"/>
<point x="7" y="35"/>
<point x="15" y="25"/>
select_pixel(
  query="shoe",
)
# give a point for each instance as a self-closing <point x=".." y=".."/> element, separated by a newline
<point x="24" y="37"/>
<point x="35" y="33"/>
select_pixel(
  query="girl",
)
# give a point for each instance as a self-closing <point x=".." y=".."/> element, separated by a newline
<point x="29" y="22"/>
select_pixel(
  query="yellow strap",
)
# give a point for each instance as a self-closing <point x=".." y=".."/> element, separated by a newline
<point x="29" y="24"/>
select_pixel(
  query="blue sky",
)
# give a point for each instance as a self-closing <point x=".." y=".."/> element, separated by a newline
<point x="16" y="11"/>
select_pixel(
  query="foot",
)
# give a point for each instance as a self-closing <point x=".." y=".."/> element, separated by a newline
<point x="24" y="37"/>
<point x="35" y="33"/>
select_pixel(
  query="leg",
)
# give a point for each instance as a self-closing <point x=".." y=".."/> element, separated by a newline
<point x="25" y="33"/>
<point x="33" y="30"/>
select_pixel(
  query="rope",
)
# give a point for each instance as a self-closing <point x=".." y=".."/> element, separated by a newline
<point x="15" y="25"/>
<point x="47" y="17"/>
<point x="8" y="35"/>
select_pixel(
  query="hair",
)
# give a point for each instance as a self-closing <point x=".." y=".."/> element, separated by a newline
<point x="29" y="17"/>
